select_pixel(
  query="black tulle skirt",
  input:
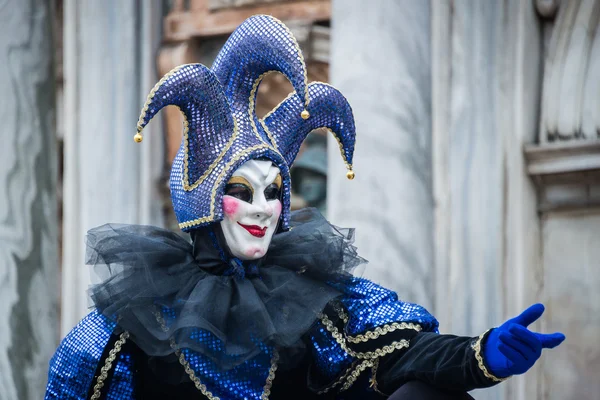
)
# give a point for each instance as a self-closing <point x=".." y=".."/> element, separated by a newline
<point x="149" y="273"/>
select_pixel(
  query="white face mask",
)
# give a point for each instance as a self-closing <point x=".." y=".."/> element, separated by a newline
<point x="251" y="209"/>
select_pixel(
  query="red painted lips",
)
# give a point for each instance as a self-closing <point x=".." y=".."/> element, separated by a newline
<point x="255" y="230"/>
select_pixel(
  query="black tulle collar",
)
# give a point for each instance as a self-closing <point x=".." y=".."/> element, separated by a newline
<point x="207" y="305"/>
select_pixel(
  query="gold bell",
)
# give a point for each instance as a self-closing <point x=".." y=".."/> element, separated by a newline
<point x="305" y="114"/>
<point x="350" y="175"/>
<point x="138" y="137"/>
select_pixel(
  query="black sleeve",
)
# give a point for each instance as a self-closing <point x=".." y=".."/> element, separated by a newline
<point x="446" y="362"/>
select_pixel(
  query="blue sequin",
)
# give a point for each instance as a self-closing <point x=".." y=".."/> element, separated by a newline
<point x="367" y="306"/>
<point x="246" y="381"/>
<point x="329" y="357"/>
<point x="370" y="305"/>
<point x="223" y="129"/>
<point x="121" y="384"/>
<point x="73" y="365"/>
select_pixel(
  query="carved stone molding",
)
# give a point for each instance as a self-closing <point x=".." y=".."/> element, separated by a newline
<point x="571" y="88"/>
<point x="567" y="175"/>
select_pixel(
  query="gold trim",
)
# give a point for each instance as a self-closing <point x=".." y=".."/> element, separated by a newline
<point x="252" y="107"/>
<point x="478" y="356"/>
<point x="209" y="217"/>
<point x="150" y="98"/>
<point x="373" y="380"/>
<point x="242" y="181"/>
<point x="186" y="186"/>
<point x="341" y="146"/>
<point x="299" y="52"/>
<point x="383" y="330"/>
<point x="356" y="373"/>
<point x="293" y="93"/>
<point x="112" y="355"/>
<point x="269" y="134"/>
<point x="337" y="382"/>
<point x="186" y="365"/>
<point x="396" y="345"/>
<point x="278" y="181"/>
<point x="199" y="385"/>
<point x="341" y="312"/>
<point x="269" y="383"/>
<point x="152" y="93"/>
<point x="192" y="374"/>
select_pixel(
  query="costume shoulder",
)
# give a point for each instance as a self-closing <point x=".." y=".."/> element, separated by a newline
<point x="365" y="324"/>
<point x="73" y="366"/>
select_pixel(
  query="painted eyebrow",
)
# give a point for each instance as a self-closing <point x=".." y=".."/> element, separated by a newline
<point x="241" y="181"/>
<point x="278" y="181"/>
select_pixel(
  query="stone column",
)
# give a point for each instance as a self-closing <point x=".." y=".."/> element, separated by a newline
<point x="486" y="86"/>
<point x="28" y="210"/>
<point x="381" y="61"/>
<point x="108" y="71"/>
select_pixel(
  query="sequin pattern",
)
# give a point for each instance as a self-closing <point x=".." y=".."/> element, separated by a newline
<point x="73" y="365"/>
<point x="246" y="380"/>
<point x="221" y="129"/>
<point x="366" y="306"/>
<point x="328" y="355"/>
<point x="121" y="384"/>
<point x="370" y="305"/>
<point x="328" y="109"/>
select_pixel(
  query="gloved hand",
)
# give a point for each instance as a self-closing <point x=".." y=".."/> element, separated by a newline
<point x="512" y="349"/>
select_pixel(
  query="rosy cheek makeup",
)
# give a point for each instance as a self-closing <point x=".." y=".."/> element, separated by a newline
<point x="230" y="206"/>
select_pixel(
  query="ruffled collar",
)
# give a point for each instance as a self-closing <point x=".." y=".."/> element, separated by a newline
<point x="208" y="303"/>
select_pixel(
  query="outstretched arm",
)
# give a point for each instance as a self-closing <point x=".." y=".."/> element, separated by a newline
<point x="463" y="363"/>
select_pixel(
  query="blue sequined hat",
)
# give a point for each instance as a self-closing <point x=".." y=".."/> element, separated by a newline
<point x="221" y="129"/>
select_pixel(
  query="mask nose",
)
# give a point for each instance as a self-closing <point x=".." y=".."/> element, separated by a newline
<point x="264" y="211"/>
<point x="263" y="208"/>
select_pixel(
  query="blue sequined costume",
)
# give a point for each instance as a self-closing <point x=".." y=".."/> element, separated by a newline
<point x="151" y="335"/>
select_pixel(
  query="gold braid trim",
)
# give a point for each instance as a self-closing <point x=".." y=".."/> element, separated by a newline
<point x="373" y="379"/>
<point x="112" y="355"/>
<point x="252" y="109"/>
<point x="396" y="345"/>
<point x="356" y="373"/>
<point x="369" y="359"/>
<point x="341" y="312"/>
<point x="219" y="179"/>
<point x="186" y="365"/>
<point x="150" y="99"/>
<point x="212" y="166"/>
<point x="337" y="382"/>
<point x="271" y="377"/>
<point x="341" y="146"/>
<point x="477" y="348"/>
<point x="301" y="56"/>
<point x="198" y="383"/>
<point x="383" y="330"/>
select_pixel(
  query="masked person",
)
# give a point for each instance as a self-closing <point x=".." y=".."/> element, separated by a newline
<point x="261" y="302"/>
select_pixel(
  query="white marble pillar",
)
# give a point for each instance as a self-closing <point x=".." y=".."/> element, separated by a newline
<point x="486" y="86"/>
<point x="108" y="70"/>
<point x="28" y="209"/>
<point x="381" y="61"/>
<point x="445" y="96"/>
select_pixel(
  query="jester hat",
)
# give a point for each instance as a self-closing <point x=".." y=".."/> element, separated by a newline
<point x="221" y="130"/>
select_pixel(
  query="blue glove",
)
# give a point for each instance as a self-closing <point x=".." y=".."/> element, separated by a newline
<point x="512" y="349"/>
